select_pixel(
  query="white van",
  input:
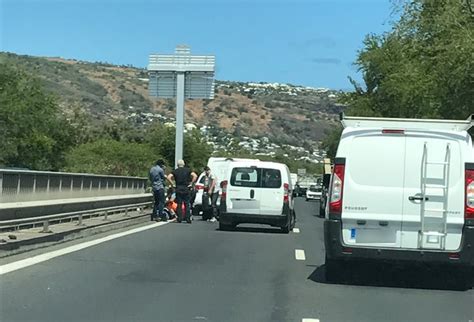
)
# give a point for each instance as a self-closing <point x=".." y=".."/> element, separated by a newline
<point x="401" y="189"/>
<point x="219" y="168"/>
<point x="257" y="192"/>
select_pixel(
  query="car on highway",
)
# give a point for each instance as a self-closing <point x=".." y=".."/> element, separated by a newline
<point x="313" y="192"/>
<point x="401" y="190"/>
<point x="257" y="192"/>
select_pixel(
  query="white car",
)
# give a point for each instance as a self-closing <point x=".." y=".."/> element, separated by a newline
<point x="257" y="192"/>
<point x="401" y="189"/>
<point x="313" y="192"/>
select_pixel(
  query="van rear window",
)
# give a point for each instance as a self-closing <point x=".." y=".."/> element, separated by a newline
<point x="245" y="177"/>
<point x="253" y="177"/>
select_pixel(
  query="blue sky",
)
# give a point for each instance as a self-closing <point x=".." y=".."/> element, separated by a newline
<point x="305" y="42"/>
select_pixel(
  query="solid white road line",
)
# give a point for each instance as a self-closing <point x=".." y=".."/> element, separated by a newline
<point x="310" y="320"/>
<point x="299" y="255"/>
<point x="10" y="267"/>
<point x="296" y="230"/>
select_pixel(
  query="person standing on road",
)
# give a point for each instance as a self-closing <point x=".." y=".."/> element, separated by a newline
<point x="297" y="189"/>
<point x="157" y="178"/>
<point x="184" y="179"/>
<point x="210" y="188"/>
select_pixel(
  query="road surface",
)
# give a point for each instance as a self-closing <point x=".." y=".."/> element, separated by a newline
<point x="182" y="272"/>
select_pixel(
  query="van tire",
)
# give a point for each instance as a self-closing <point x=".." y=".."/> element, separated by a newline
<point x="293" y="223"/>
<point x="334" y="269"/>
<point x="286" y="229"/>
<point x="463" y="279"/>
<point x="225" y="227"/>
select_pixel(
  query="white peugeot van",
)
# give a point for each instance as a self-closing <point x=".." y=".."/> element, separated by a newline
<point x="401" y="189"/>
<point x="257" y="192"/>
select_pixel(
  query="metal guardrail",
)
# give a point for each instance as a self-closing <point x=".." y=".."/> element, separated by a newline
<point x="26" y="185"/>
<point x="46" y="221"/>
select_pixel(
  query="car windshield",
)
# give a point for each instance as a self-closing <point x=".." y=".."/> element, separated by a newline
<point x="314" y="188"/>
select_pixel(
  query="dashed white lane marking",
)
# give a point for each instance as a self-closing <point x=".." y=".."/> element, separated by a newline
<point x="10" y="267"/>
<point x="299" y="255"/>
<point x="296" y="230"/>
<point x="310" y="320"/>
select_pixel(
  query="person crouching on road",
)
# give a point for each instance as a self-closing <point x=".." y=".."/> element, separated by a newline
<point x="184" y="179"/>
<point x="170" y="208"/>
<point x="157" y="178"/>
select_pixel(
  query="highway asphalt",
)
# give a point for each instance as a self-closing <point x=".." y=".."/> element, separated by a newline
<point x="183" y="272"/>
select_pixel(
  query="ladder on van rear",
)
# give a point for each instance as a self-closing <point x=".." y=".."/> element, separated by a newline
<point x="434" y="220"/>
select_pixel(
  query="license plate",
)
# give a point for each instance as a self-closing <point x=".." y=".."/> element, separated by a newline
<point x="433" y="239"/>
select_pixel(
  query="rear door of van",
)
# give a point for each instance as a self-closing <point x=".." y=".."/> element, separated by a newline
<point x="433" y="146"/>
<point x="243" y="192"/>
<point x="373" y="188"/>
<point x="219" y="168"/>
<point x="272" y="192"/>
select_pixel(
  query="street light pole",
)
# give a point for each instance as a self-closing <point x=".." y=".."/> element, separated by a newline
<point x="179" y="118"/>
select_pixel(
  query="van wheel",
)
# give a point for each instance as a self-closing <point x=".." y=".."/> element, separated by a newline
<point x="463" y="279"/>
<point x="293" y="221"/>
<point x="225" y="227"/>
<point x="334" y="269"/>
<point x="286" y="229"/>
<point x="195" y="211"/>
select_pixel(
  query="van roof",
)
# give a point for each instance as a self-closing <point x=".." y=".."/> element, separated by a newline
<point x="222" y="159"/>
<point x="400" y="123"/>
<point x="258" y="163"/>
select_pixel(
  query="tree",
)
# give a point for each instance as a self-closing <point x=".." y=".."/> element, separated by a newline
<point x="161" y="140"/>
<point x="107" y="156"/>
<point x="33" y="132"/>
<point x="422" y="68"/>
<point x="331" y="142"/>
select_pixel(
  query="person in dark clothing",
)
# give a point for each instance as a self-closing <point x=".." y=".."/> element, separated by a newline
<point x="157" y="178"/>
<point x="184" y="179"/>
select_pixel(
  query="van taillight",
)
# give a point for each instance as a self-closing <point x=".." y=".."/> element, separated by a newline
<point x="286" y="192"/>
<point x="223" y="190"/>
<point x="469" y="195"/>
<point x="335" y="196"/>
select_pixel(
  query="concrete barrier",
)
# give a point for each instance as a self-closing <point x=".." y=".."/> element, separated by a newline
<point x="33" y="209"/>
